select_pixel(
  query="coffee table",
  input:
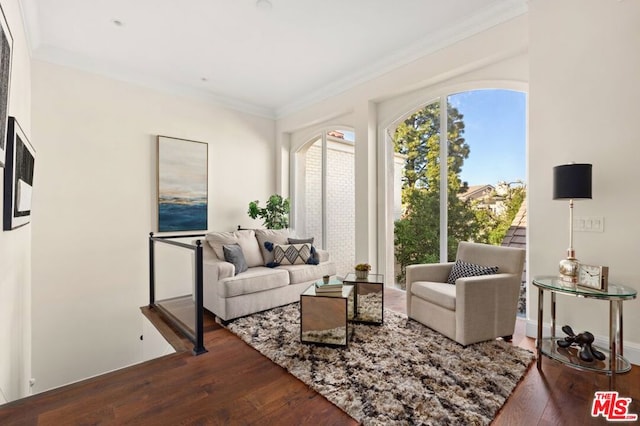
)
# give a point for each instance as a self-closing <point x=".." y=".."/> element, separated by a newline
<point x="325" y="319"/>
<point x="369" y="298"/>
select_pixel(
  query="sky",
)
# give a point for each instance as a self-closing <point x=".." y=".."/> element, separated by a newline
<point x="495" y="129"/>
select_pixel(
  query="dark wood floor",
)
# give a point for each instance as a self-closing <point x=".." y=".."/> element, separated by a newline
<point x="234" y="384"/>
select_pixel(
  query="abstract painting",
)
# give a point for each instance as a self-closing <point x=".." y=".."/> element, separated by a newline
<point x="6" y="46"/>
<point x="182" y="185"/>
<point x="18" y="177"/>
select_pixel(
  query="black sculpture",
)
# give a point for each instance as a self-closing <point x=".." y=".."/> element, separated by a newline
<point x="584" y="340"/>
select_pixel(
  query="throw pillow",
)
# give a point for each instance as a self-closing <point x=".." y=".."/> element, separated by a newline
<point x="217" y="239"/>
<point x="315" y="259"/>
<point x="250" y="248"/>
<point x="300" y="240"/>
<point x="291" y="254"/>
<point x="274" y="236"/>
<point x="233" y="254"/>
<point x="462" y="269"/>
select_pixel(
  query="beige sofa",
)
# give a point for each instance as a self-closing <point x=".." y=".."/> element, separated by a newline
<point x="229" y="295"/>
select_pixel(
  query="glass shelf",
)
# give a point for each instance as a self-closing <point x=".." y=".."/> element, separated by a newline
<point x="569" y="356"/>
<point x="614" y="291"/>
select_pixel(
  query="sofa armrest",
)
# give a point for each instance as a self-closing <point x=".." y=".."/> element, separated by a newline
<point x="433" y="272"/>
<point x="215" y="269"/>
<point x="478" y="299"/>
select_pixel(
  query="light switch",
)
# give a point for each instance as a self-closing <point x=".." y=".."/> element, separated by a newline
<point x="588" y="223"/>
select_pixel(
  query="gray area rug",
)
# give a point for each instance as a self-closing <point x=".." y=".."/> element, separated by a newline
<point x="398" y="373"/>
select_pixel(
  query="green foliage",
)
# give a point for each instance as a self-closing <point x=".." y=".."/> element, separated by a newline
<point x="276" y="213"/>
<point x="417" y="233"/>
<point x="513" y="200"/>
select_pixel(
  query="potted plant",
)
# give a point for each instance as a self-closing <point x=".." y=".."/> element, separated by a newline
<point x="362" y="270"/>
<point x="276" y="213"/>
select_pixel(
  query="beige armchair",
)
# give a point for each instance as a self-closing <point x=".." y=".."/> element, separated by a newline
<point x="475" y="308"/>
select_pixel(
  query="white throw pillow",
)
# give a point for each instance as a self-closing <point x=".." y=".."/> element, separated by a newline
<point x="247" y="241"/>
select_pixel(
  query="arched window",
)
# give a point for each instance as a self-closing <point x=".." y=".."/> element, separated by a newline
<point x="463" y="175"/>
<point x="324" y="201"/>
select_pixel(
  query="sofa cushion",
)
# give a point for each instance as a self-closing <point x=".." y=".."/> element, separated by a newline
<point x="291" y="254"/>
<point x="233" y="254"/>
<point x="250" y="248"/>
<point x="303" y="273"/>
<point x="217" y="239"/>
<point x="462" y="269"/>
<point x="441" y="294"/>
<point x="245" y="238"/>
<point x="274" y="236"/>
<point x="253" y="280"/>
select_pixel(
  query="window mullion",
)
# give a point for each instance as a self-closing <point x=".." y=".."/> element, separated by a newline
<point x="444" y="169"/>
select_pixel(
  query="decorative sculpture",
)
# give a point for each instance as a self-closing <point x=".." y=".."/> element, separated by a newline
<point x="584" y="340"/>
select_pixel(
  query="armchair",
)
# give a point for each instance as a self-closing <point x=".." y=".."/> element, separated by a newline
<point x="476" y="308"/>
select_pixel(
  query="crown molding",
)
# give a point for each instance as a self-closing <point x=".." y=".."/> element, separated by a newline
<point x="488" y="18"/>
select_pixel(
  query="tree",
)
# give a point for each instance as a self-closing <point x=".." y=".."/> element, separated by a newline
<point x="417" y="233"/>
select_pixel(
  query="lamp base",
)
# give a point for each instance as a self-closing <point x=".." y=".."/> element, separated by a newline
<point x="568" y="269"/>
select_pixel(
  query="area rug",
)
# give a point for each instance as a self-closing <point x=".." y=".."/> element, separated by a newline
<point x="398" y="373"/>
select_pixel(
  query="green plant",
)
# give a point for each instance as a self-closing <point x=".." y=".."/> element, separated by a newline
<point x="275" y="215"/>
<point x="363" y="267"/>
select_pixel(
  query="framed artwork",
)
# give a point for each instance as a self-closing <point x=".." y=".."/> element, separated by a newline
<point x="182" y="185"/>
<point x="18" y="177"/>
<point x="6" y="47"/>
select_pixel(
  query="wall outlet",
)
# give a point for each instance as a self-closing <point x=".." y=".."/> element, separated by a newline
<point x="588" y="223"/>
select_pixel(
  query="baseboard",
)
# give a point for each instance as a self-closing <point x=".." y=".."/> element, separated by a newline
<point x="631" y="350"/>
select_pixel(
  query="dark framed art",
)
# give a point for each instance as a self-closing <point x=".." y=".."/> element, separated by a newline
<point x="18" y="177"/>
<point x="6" y="48"/>
<point x="182" y="185"/>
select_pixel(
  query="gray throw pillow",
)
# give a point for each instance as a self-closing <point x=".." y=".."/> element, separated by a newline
<point x="300" y="240"/>
<point x="233" y="254"/>
<point x="463" y="269"/>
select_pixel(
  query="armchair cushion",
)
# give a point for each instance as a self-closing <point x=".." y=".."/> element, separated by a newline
<point x="462" y="269"/>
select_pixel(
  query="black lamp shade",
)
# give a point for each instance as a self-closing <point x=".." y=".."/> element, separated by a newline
<point x="572" y="181"/>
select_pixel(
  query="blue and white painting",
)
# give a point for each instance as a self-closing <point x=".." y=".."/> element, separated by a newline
<point x="182" y="185"/>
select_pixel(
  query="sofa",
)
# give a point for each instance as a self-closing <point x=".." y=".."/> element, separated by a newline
<point x="248" y="271"/>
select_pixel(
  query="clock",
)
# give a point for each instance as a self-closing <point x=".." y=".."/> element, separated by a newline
<point x="594" y="277"/>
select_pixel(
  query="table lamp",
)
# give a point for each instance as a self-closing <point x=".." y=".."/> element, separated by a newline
<point x="571" y="182"/>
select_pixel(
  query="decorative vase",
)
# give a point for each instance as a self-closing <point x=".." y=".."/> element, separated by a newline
<point x="362" y="275"/>
<point x="326" y="278"/>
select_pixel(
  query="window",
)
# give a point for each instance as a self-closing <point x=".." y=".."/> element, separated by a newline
<point x="469" y="189"/>
<point x="325" y="195"/>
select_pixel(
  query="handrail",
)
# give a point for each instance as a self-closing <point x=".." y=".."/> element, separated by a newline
<point x="196" y="336"/>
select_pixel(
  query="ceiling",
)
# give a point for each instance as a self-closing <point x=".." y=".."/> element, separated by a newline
<point x="268" y="57"/>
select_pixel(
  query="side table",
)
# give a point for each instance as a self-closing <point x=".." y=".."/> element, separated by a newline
<point x="369" y="298"/>
<point x="325" y="319"/>
<point x="614" y="362"/>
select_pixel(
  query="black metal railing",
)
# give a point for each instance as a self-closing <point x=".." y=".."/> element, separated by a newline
<point x="196" y="335"/>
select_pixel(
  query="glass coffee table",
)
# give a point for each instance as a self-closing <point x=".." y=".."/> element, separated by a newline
<point x="325" y="318"/>
<point x="369" y="298"/>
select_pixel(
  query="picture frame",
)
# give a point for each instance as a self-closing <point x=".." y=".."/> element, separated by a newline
<point x="6" y="51"/>
<point x="18" y="177"/>
<point x="182" y="184"/>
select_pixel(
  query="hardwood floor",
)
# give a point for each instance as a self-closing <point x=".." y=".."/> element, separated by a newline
<point x="234" y="384"/>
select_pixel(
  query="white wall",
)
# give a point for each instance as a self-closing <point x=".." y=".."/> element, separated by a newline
<point x="584" y="97"/>
<point x="493" y="58"/>
<point x="95" y="205"/>
<point x="15" y="245"/>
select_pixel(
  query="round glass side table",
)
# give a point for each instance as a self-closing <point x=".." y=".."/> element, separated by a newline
<point x="615" y="294"/>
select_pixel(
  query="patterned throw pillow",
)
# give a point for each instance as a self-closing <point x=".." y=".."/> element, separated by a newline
<point x="462" y="269"/>
<point x="291" y="254"/>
